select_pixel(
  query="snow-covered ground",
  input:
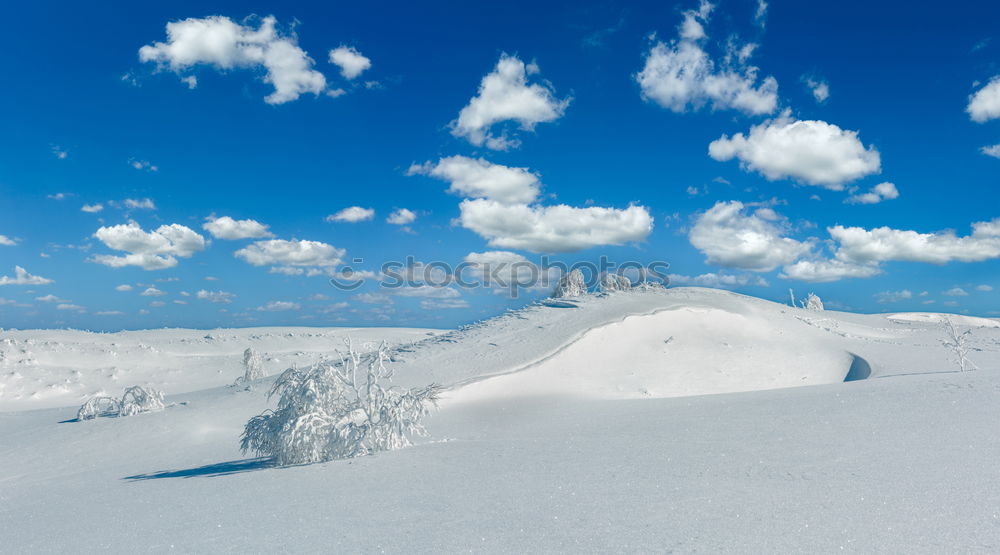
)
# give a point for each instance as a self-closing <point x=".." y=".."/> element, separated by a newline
<point x="639" y="421"/>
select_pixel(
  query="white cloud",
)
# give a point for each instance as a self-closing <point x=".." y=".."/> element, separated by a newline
<point x="278" y="306"/>
<point x="152" y="292"/>
<point x="760" y="16"/>
<point x="984" y="288"/>
<point x="123" y="287"/>
<point x="681" y="76"/>
<point x="402" y="216"/>
<point x="352" y="214"/>
<point x="57" y="196"/>
<point x="955" y="292"/>
<point x="427" y="292"/>
<point x="373" y="298"/>
<point x="878" y="193"/>
<point x="509" y="271"/>
<point x="153" y="250"/>
<point x="728" y="236"/>
<point x="58" y="152"/>
<point x="887" y="244"/>
<point x="221" y="297"/>
<point x="984" y="104"/>
<point x="279" y="252"/>
<point x="820" y="89"/>
<point x="813" y="152"/>
<point x="51" y="299"/>
<point x="143" y="165"/>
<point x="823" y="271"/>
<point x="993" y="150"/>
<point x="68" y="306"/>
<point x="157" y="304"/>
<point x="22" y="277"/>
<point x="351" y="62"/>
<point x="893" y="296"/>
<point x="443" y="304"/>
<point x="718" y="281"/>
<point x="92" y="208"/>
<point x="228" y="228"/>
<point x="557" y="228"/>
<point x="140" y="204"/>
<point x="335" y="307"/>
<point x="478" y="178"/>
<point x="7" y="241"/>
<point x="109" y="313"/>
<point x="224" y="44"/>
<point x="505" y="95"/>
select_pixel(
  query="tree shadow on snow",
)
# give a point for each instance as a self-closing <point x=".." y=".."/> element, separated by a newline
<point x="209" y="471"/>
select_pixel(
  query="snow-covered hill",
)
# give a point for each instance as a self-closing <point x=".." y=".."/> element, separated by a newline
<point x="574" y="426"/>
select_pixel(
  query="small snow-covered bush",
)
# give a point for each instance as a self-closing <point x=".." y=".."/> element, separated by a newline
<point x="959" y="343"/>
<point x="253" y="367"/>
<point x="337" y="411"/>
<point x="813" y="302"/>
<point x="614" y="282"/>
<point x="138" y="399"/>
<point x="101" y="405"/>
<point x="570" y="285"/>
<point x="135" y="400"/>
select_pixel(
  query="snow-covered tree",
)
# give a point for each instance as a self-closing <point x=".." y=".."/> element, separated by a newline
<point x="614" y="282"/>
<point x="959" y="343"/>
<point x="338" y="410"/>
<point x="570" y="285"/>
<point x="813" y="302"/>
<point x="253" y="368"/>
<point x="135" y="400"/>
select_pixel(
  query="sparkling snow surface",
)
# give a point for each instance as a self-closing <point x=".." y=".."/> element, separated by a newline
<point x="583" y="426"/>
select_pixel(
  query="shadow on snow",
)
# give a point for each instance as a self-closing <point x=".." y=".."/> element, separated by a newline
<point x="209" y="471"/>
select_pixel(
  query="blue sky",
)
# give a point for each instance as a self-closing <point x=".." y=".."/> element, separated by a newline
<point x="567" y="129"/>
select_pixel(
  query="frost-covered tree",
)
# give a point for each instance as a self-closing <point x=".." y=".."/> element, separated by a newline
<point x="959" y="343"/>
<point x="253" y="368"/>
<point x="813" y="302"/>
<point x="614" y="282"/>
<point x="570" y="285"/>
<point x="135" y="400"/>
<point x="338" y="410"/>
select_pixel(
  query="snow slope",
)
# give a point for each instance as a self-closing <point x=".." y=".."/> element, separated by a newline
<point x="565" y="430"/>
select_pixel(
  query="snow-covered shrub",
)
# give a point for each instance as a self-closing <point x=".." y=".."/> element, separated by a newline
<point x="614" y="282"/>
<point x="570" y="285"/>
<point x="813" y="302"/>
<point x="253" y="367"/>
<point x="135" y="400"/>
<point x="338" y="410"/>
<point x="138" y="399"/>
<point x="959" y="343"/>
<point x="101" y="405"/>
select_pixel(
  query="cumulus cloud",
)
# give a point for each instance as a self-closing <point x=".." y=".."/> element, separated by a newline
<point x="955" y="292"/>
<point x="143" y="165"/>
<point x="878" y="193"/>
<point x="809" y="151"/>
<point x="92" y="208"/>
<point x="220" y="42"/>
<point x="893" y="296"/>
<point x="509" y="271"/>
<point x="478" y="178"/>
<point x="718" y="281"/>
<point x="279" y="252"/>
<point x="140" y="204"/>
<point x="557" y="228"/>
<point x="505" y="95"/>
<point x="7" y="241"/>
<point x="984" y="104"/>
<point x="823" y="270"/>
<point x="984" y="288"/>
<point x="51" y="299"/>
<point x="443" y="304"/>
<point x="279" y="306"/>
<point x="402" y="216"/>
<point x="228" y="228"/>
<point x="152" y="250"/>
<point x="152" y="292"/>
<point x="681" y="76"/>
<point x="220" y="297"/>
<point x="728" y="235"/>
<point x="993" y="150"/>
<point x="123" y="287"/>
<point x="427" y="292"/>
<point x="351" y="62"/>
<point x="819" y="88"/>
<point x="22" y="277"/>
<point x="68" y="306"/>
<point x="352" y="214"/>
